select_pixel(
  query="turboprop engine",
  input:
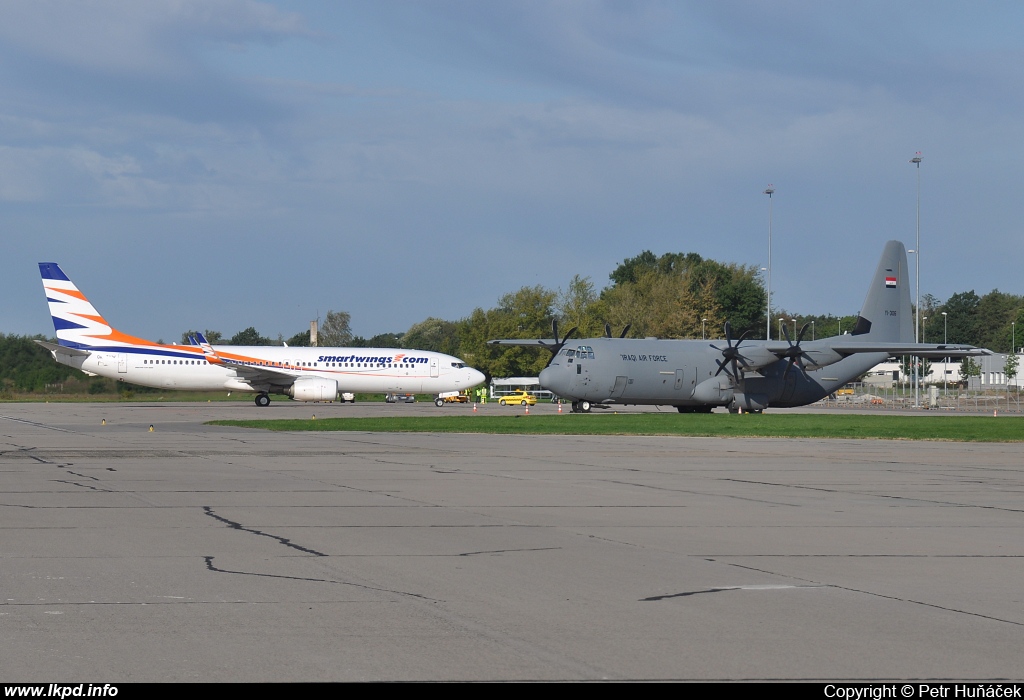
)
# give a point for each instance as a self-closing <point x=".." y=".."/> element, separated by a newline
<point x="313" y="389"/>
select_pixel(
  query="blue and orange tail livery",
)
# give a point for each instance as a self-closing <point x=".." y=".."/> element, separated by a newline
<point x="77" y="322"/>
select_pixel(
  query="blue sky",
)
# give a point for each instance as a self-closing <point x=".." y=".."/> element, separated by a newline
<point x="226" y="163"/>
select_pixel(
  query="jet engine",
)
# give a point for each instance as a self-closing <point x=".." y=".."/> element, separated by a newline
<point x="313" y="389"/>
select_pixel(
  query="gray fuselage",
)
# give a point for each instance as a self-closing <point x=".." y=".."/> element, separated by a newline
<point x="685" y="373"/>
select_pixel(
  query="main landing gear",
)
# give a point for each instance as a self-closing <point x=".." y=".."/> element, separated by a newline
<point x="262" y="400"/>
<point x="581" y="407"/>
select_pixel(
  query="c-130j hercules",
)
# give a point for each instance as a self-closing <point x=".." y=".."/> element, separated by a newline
<point x="748" y="375"/>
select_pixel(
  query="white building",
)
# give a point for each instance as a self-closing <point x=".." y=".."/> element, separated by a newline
<point x="993" y="373"/>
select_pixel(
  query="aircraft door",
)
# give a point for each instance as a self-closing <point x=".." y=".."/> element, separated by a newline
<point x="122" y="363"/>
<point x="433" y="367"/>
<point x="619" y="386"/>
<point x="686" y="383"/>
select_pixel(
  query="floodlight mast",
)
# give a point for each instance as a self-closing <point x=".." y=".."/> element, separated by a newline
<point x="768" y="305"/>
<point x="916" y="160"/>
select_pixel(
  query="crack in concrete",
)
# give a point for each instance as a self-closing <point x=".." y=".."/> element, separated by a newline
<point x="282" y="540"/>
<point x="211" y="567"/>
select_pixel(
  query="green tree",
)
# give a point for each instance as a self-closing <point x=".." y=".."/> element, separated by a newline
<point x="336" y="330"/>
<point x="1010" y="368"/>
<point x="386" y="340"/>
<point x="526" y="313"/>
<point x="250" y="336"/>
<point x="670" y="295"/>
<point x="299" y="340"/>
<point x="433" y="334"/>
<point x="968" y="368"/>
<point x="578" y="307"/>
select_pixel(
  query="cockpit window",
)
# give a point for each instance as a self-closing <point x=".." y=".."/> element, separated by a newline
<point x="584" y="352"/>
<point x="458" y="365"/>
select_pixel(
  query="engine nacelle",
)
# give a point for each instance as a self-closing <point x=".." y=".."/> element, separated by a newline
<point x="313" y="389"/>
<point x="715" y="391"/>
<point x="749" y="402"/>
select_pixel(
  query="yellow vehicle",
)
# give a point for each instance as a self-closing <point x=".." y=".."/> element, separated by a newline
<point x="451" y="397"/>
<point x="519" y="398"/>
<point x="844" y="392"/>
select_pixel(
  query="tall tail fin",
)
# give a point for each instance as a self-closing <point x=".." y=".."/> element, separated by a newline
<point x="77" y="322"/>
<point x="887" y="313"/>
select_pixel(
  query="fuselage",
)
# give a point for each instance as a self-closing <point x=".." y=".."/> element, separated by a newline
<point x="363" y="370"/>
<point x="688" y="373"/>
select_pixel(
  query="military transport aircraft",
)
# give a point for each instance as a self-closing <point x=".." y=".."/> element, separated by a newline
<point x="87" y="342"/>
<point x="697" y="375"/>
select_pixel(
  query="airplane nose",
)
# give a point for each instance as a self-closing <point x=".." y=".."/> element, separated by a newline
<point x="549" y="380"/>
<point x="476" y="377"/>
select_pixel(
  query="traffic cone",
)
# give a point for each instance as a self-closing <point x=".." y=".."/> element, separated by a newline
<point x="559" y="406"/>
<point x="527" y="409"/>
<point x="474" y="407"/>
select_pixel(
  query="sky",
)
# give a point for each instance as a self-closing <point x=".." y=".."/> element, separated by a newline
<point x="220" y="164"/>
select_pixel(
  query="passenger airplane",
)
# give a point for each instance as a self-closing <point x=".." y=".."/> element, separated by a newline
<point x="697" y="375"/>
<point x="87" y="342"/>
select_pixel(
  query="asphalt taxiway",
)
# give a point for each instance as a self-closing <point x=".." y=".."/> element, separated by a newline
<point x="194" y="552"/>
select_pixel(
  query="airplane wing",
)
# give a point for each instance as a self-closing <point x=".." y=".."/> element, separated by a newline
<point x="250" y="372"/>
<point x="532" y="342"/>
<point x="916" y="349"/>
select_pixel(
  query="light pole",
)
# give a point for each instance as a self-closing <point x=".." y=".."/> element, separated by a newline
<point x="794" y="327"/>
<point x="924" y="337"/>
<point x="916" y="160"/>
<point x="768" y="301"/>
<point x="780" y="327"/>
<point x="703" y="336"/>
<point x="812" y="330"/>
<point x="945" y="334"/>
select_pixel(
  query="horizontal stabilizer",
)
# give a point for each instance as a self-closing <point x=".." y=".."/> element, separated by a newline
<point x="914" y="349"/>
<point x="63" y="350"/>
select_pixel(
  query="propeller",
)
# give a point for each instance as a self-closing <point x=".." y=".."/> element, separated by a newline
<point x="556" y="347"/>
<point x="731" y="354"/>
<point x="608" y="330"/>
<point x="794" y="353"/>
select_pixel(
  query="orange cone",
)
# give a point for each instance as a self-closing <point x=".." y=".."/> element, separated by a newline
<point x="559" y="406"/>
<point x="474" y="407"/>
<point x="527" y="409"/>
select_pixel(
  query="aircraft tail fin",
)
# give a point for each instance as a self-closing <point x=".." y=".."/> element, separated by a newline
<point x="76" y="321"/>
<point x="887" y="314"/>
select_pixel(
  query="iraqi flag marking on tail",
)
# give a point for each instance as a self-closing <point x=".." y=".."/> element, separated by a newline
<point x="890" y="281"/>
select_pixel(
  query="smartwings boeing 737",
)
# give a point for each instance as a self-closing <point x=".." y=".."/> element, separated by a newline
<point x="87" y="342"/>
<point x="697" y="375"/>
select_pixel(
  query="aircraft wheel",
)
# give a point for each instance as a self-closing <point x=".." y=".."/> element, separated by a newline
<point x="439" y="402"/>
<point x="502" y="402"/>
<point x="585" y="406"/>
<point x="262" y="400"/>
<point x="575" y="406"/>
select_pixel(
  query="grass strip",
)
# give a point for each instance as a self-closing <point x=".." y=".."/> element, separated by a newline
<point x="884" y="427"/>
